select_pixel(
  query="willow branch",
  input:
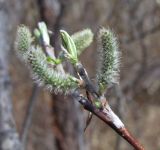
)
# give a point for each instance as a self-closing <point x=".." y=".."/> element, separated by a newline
<point x="104" y="113"/>
<point x="96" y="103"/>
<point x="111" y="119"/>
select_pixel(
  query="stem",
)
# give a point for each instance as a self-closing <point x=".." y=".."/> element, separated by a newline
<point x="84" y="76"/>
<point x="108" y="116"/>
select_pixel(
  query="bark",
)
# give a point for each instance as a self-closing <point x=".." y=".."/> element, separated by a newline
<point x="68" y="124"/>
<point x="9" y="138"/>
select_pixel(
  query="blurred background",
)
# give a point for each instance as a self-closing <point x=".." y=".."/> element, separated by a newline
<point x="57" y="122"/>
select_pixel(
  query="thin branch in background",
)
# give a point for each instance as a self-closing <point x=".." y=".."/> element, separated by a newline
<point x="42" y="10"/>
<point x="29" y="114"/>
<point x="143" y="65"/>
<point x="113" y="10"/>
<point x="57" y="25"/>
<point x="145" y="34"/>
<point x="130" y="87"/>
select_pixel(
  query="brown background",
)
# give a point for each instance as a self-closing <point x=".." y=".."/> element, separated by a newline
<point x="137" y="25"/>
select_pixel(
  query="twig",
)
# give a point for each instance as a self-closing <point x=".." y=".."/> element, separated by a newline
<point x="108" y="116"/>
<point x="105" y="113"/>
<point x="29" y="114"/>
<point x="88" y="84"/>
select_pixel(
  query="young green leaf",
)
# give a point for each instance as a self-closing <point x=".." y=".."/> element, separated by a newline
<point x="53" y="61"/>
<point x="69" y="45"/>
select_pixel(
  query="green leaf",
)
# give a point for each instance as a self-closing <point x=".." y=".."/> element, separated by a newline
<point x="53" y="61"/>
<point x="98" y="104"/>
<point x="69" y="45"/>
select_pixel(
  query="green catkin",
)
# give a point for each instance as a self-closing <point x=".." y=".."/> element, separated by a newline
<point x="109" y="58"/>
<point x="82" y="40"/>
<point x="23" y="41"/>
<point x="43" y="74"/>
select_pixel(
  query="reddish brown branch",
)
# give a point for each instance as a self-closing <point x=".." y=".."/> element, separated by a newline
<point x="122" y="131"/>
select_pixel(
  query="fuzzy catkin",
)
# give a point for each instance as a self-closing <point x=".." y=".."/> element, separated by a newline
<point x="37" y="62"/>
<point x="108" y="70"/>
<point x="43" y="74"/>
<point x="82" y="39"/>
<point x="23" y="41"/>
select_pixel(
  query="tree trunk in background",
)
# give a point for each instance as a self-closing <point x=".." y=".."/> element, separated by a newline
<point x="9" y="138"/>
<point x="68" y="118"/>
<point x="68" y="124"/>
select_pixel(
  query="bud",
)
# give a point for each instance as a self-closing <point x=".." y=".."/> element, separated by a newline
<point x="69" y="45"/>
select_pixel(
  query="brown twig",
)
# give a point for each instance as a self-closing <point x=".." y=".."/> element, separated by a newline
<point x="84" y="76"/>
<point x="101" y="114"/>
<point x="105" y="114"/>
